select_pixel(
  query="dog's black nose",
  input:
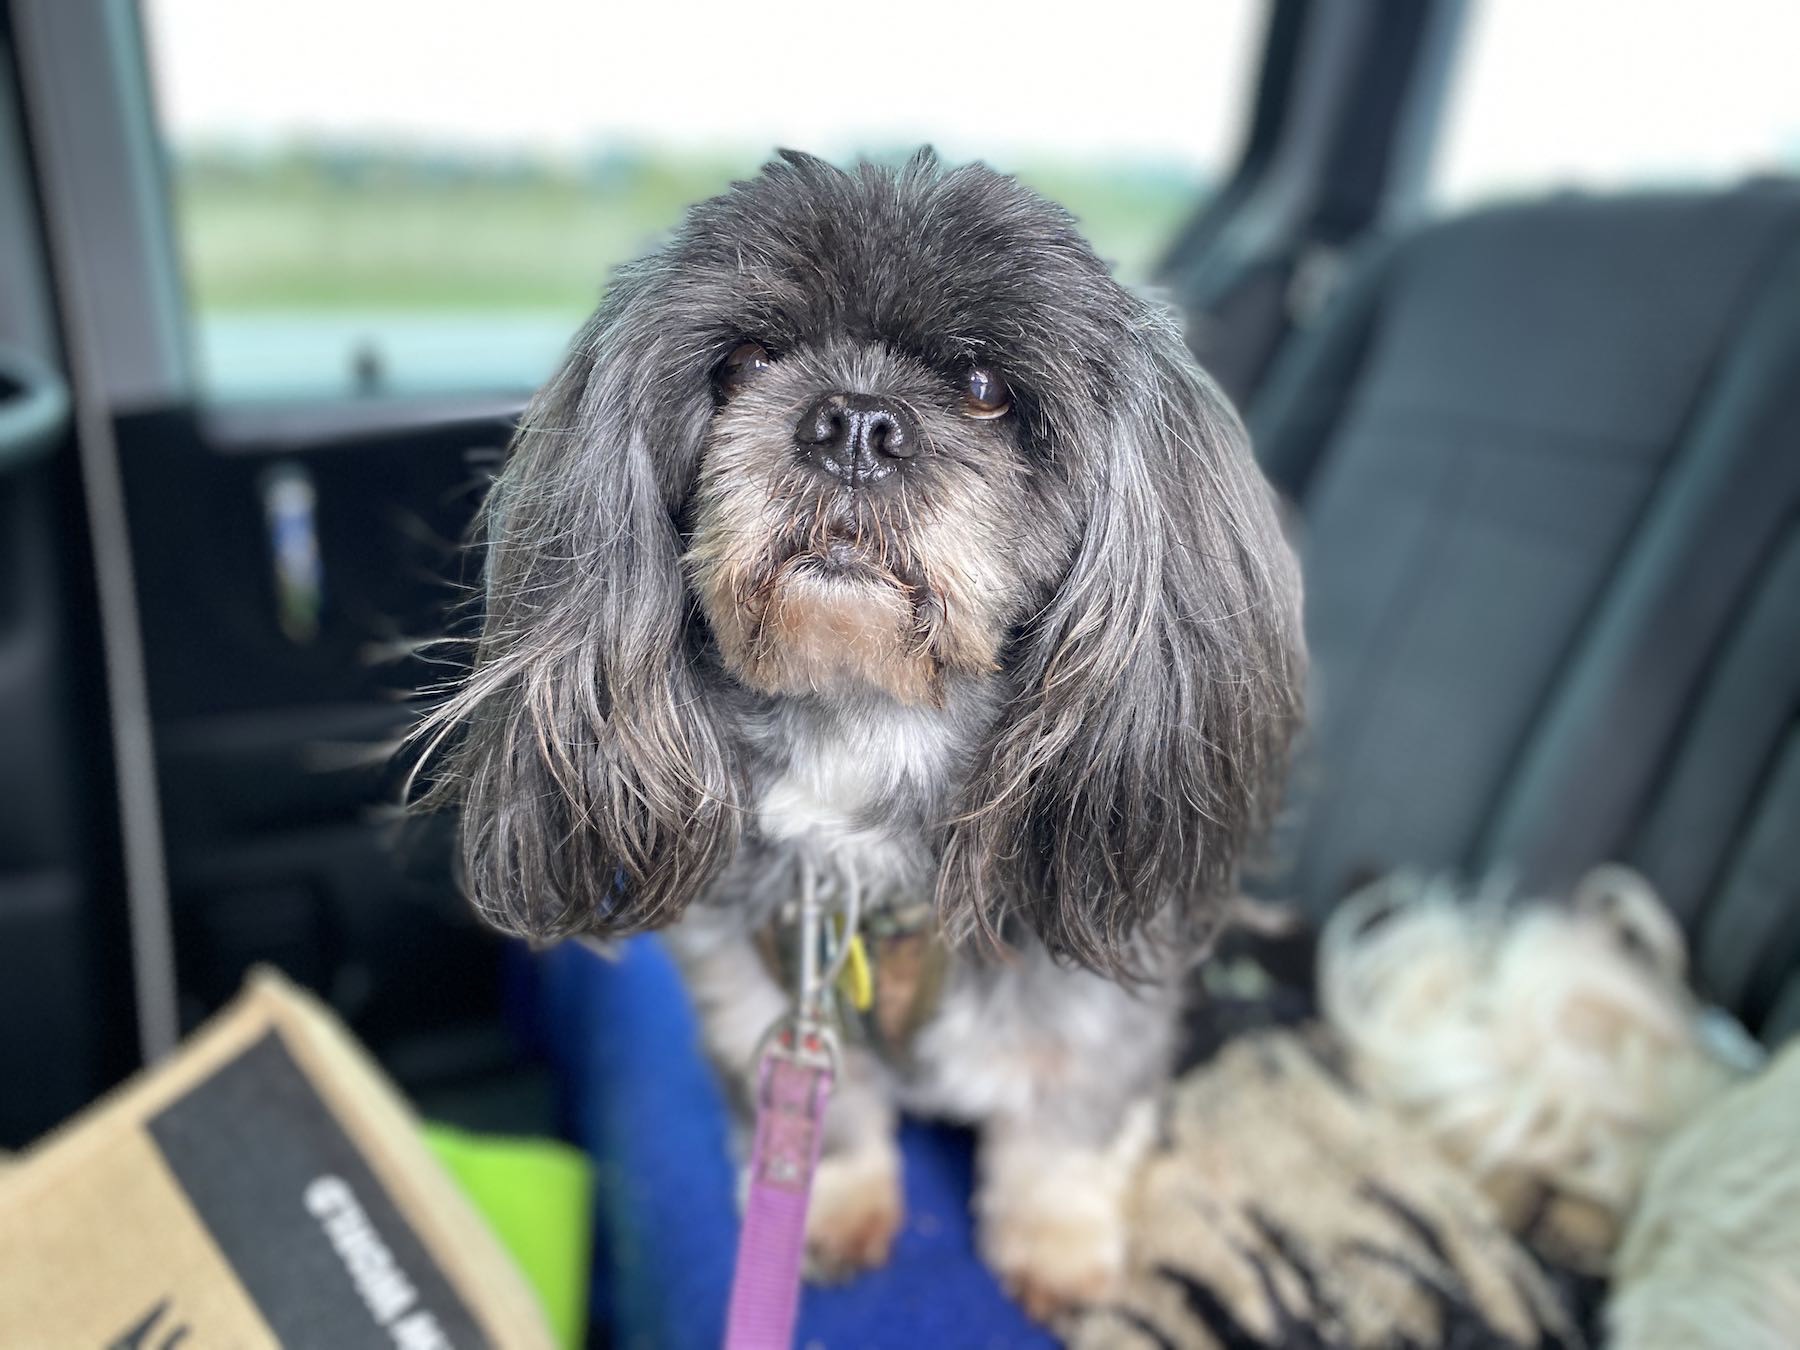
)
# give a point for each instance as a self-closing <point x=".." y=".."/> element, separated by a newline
<point x="857" y="438"/>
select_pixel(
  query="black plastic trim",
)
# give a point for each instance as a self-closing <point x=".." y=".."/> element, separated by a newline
<point x="34" y="409"/>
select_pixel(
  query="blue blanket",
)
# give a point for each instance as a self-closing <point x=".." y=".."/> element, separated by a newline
<point x="644" y="1104"/>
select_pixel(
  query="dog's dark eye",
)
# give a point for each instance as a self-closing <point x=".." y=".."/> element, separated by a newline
<point x="745" y="360"/>
<point x="985" y="394"/>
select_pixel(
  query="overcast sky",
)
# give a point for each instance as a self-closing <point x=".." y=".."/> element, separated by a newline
<point x="1605" y="92"/>
<point x="563" y="76"/>
<point x="1597" y="91"/>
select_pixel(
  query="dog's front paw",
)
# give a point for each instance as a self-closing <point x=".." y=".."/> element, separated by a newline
<point x="855" y="1213"/>
<point x="1054" y="1249"/>
<point x="1051" y="1216"/>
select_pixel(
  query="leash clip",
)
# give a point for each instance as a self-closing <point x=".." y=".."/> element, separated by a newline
<point x="808" y="1042"/>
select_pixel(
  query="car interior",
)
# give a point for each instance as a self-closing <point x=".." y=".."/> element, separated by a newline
<point x="1539" y="453"/>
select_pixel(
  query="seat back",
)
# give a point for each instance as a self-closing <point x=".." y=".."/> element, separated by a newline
<point x="1547" y="464"/>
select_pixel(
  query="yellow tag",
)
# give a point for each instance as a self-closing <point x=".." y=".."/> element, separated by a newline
<point x="855" y="981"/>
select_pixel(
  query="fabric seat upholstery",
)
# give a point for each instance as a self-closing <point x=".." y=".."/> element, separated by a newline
<point x="1546" y="460"/>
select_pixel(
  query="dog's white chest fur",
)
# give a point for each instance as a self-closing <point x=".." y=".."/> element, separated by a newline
<point x="833" y="803"/>
<point x="820" y="798"/>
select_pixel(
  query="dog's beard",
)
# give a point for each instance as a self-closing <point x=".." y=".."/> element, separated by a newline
<point x="828" y="628"/>
<point x="816" y="591"/>
<point x="829" y="603"/>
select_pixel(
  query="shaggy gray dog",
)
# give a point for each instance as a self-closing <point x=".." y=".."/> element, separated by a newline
<point x="872" y="539"/>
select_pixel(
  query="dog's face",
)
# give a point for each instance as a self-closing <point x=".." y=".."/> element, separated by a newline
<point x="866" y="510"/>
<point x="874" y="434"/>
<point x="906" y="374"/>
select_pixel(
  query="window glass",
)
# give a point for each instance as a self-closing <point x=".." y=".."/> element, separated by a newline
<point x="1619" y="93"/>
<point x="408" y="195"/>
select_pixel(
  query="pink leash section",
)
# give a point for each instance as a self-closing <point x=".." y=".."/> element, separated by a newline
<point x="793" y="1086"/>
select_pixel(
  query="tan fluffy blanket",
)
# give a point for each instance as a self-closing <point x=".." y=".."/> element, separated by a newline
<point x="1287" y="1209"/>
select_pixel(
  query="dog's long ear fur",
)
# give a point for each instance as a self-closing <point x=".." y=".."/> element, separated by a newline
<point x="1159" y="689"/>
<point x="597" y="788"/>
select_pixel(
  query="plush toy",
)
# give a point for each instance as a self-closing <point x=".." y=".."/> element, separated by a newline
<point x="1550" y="1049"/>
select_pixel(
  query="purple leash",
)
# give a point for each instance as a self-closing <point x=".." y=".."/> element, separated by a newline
<point x="793" y="1086"/>
<point x="794" y="1076"/>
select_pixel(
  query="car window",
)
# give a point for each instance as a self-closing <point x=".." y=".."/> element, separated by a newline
<point x="429" y="194"/>
<point x="1619" y="93"/>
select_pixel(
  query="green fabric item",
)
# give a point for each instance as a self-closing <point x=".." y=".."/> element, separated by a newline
<point x="537" y="1196"/>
